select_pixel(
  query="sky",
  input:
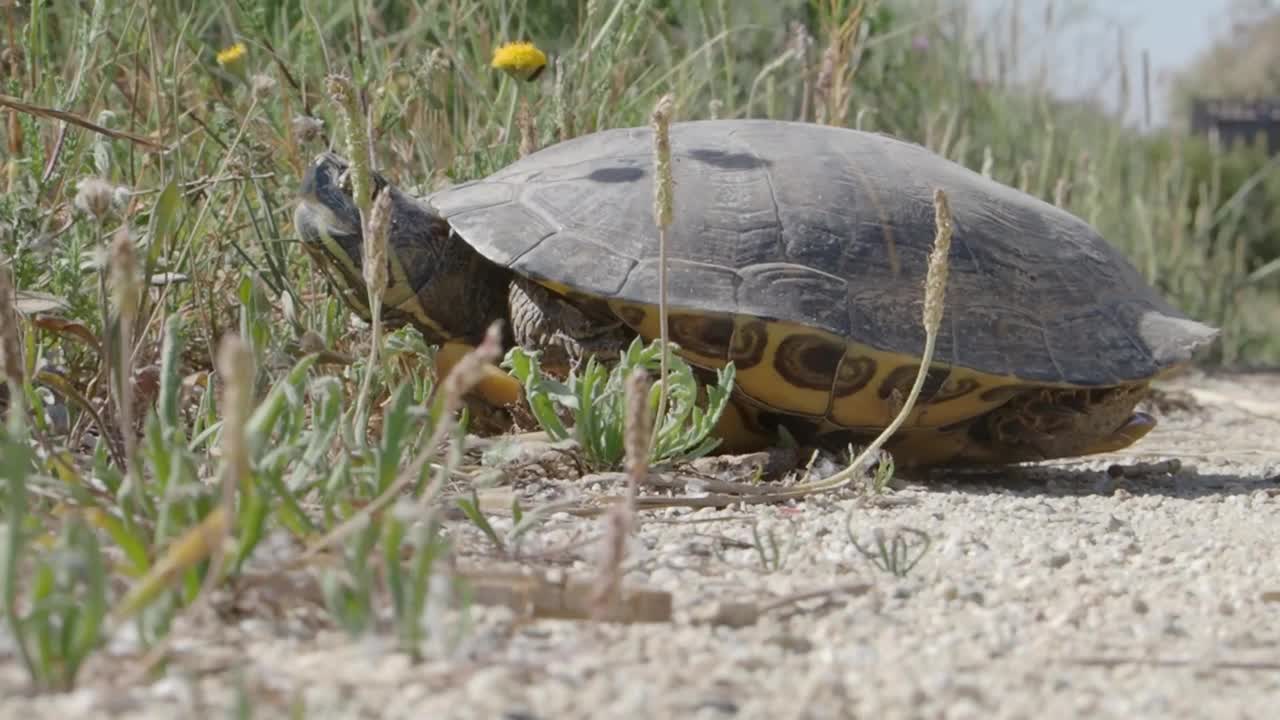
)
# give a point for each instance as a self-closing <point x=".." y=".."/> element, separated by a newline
<point x="1085" y="49"/>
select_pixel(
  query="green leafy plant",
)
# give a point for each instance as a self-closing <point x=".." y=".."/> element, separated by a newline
<point x="896" y="553"/>
<point x="54" y="594"/>
<point x="771" y="551"/>
<point x="595" y="396"/>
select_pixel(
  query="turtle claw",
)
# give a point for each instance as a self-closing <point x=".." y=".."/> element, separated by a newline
<point x="1133" y="430"/>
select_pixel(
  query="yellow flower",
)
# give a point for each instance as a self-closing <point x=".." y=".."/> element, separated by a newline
<point x="521" y="60"/>
<point x="231" y="55"/>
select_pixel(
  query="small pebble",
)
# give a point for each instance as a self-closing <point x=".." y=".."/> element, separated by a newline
<point x="1058" y="560"/>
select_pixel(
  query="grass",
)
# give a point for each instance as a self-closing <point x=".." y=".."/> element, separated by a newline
<point x="149" y="458"/>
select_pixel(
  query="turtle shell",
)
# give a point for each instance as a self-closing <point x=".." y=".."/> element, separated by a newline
<point x="799" y="252"/>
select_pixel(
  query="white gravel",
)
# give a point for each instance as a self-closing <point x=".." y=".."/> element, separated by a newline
<point x="1048" y="592"/>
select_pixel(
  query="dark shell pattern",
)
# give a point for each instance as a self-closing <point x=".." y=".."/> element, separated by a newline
<point x="799" y="251"/>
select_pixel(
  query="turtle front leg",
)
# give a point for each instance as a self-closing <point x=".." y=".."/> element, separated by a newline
<point x="562" y="331"/>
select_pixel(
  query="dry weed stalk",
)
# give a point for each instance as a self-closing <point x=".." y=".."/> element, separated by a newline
<point x="375" y="224"/>
<point x="564" y="115"/>
<point x="663" y="212"/>
<point x="528" y="131"/>
<point x="1024" y="176"/>
<point x="1062" y="192"/>
<point x="374" y="267"/>
<point x="636" y="432"/>
<point x="126" y="293"/>
<point x="935" y="285"/>
<point x="438" y="125"/>
<point x="620" y="521"/>
<point x="766" y="74"/>
<point x="801" y="41"/>
<point x="235" y="366"/>
<point x="353" y="121"/>
<point x="11" y="369"/>
<point x="834" y="84"/>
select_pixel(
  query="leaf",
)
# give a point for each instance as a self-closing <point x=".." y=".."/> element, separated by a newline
<point x="541" y="393"/>
<point x="166" y="209"/>
<point x="196" y="545"/>
<point x="33" y="302"/>
<point x="254" y="510"/>
<point x="85" y="633"/>
<point x="392" y="539"/>
<point x="471" y="508"/>
<point x="264" y="417"/>
<point x="134" y="547"/>
<point x="170" y="361"/>
<point x="395" y="428"/>
<point x="168" y="278"/>
<point x="68" y="328"/>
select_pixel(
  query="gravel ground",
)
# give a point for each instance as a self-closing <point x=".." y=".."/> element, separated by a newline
<point x="1046" y="592"/>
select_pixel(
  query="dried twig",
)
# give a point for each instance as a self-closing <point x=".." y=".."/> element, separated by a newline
<point x="742" y="613"/>
<point x="1114" y="662"/>
<point x="569" y="598"/>
<point x="15" y="104"/>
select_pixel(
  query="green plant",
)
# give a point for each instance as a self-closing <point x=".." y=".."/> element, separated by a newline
<point x="771" y="551"/>
<point x="595" y="395"/>
<point x="54" y="595"/>
<point x="897" y="553"/>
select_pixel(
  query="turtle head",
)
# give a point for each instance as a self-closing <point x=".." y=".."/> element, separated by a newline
<point x="328" y="222"/>
<point x="435" y="281"/>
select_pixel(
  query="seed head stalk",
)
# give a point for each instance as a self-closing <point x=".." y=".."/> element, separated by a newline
<point x="375" y="224"/>
<point x="375" y="279"/>
<point x="620" y="521"/>
<point x="663" y="200"/>
<point x="935" y="286"/>
<point x="126" y="293"/>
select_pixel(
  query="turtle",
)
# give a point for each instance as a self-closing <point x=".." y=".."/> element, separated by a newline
<point x="797" y="252"/>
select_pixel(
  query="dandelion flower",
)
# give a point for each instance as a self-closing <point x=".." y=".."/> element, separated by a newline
<point x="231" y="55"/>
<point x="521" y="60"/>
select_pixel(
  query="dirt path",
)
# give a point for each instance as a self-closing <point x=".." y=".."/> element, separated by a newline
<point x="1051" y="592"/>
